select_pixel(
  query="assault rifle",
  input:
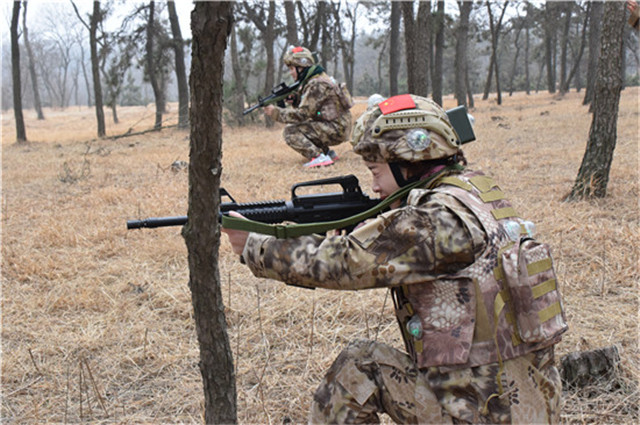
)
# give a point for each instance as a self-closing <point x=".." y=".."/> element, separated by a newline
<point x="302" y="208"/>
<point x="278" y="95"/>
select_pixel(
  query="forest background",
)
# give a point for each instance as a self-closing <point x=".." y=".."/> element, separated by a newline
<point x="96" y="320"/>
<point x="510" y="46"/>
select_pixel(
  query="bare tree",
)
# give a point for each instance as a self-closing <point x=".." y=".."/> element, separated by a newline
<point x="32" y="65"/>
<point x="593" y="175"/>
<point x="21" y="132"/>
<point x="595" y="29"/>
<point x="438" y="46"/>
<point x="417" y="46"/>
<point x="461" y="60"/>
<point x="95" y="19"/>
<point x="495" y="28"/>
<point x="237" y="105"/>
<point x="211" y="24"/>
<point x="181" y="73"/>
<point x="292" y="25"/>
<point x="152" y="69"/>
<point x="578" y="58"/>
<point x="394" y="48"/>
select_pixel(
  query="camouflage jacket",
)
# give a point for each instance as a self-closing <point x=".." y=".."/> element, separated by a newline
<point x="322" y="99"/>
<point x="439" y="251"/>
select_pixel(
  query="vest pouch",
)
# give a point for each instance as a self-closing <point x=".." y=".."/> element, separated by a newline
<point x="533" y="291"/>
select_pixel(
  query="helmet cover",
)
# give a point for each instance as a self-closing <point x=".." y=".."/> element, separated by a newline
<point x="298" y="56"/>
<point x="404" y="128"/>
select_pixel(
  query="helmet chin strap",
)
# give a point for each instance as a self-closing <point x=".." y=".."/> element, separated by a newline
<point x="397" y="174"/>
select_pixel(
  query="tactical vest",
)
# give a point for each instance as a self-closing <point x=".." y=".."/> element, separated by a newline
<point x="504" y="305"/>
<point x="339" y="100"/>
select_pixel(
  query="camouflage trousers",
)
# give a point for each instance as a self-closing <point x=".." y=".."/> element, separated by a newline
<point x="369" y="378"/>
<point x="312" y="138"/>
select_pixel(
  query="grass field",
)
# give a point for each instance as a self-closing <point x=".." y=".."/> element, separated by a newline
<point x="97" y="321"/>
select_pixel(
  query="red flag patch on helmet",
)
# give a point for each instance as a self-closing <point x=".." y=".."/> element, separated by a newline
<point x="397" y="103"/>
<point x="297" y="49"/>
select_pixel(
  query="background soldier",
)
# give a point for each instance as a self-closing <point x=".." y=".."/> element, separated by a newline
<point x="322" y="118"/>
<point x="475" y="294"/>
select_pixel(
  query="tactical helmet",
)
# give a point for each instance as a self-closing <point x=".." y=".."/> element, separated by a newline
<point x="404" y="128"/>
<point x="298" y="56"/>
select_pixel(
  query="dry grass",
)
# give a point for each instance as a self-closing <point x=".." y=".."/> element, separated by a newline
<point x="97" y="320"/>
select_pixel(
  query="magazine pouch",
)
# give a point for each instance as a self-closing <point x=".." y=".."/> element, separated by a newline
<point x="533" y="289"/>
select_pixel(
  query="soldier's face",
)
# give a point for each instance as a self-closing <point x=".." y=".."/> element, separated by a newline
<point x="384" y="184"/>
<point x="293" y="71"/>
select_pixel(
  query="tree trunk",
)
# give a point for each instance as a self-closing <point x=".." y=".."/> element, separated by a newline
<point x="96" y="18"/>
<point x="512" y="75"/>
<point x="211" y="24"/>
<point x="471" y="102"/>
<point x="462" y="40"/>
<point x="576" y="66"/>
<point x="292" y="25"/>
<point x="32" y="65"/>
<point x="237" y="104"/>
<point x="527" y="80"/>
<point x="181" y="73"/>
<point x="394" y="48"/>
<point x="21" y="132"/>
<point x="593" y="175"/>
<point x="495" y="35"/>
<point x="565" y="46"/>
<point x="436" y="77"/>
<point x="151" y="69"/>
<point x="549" y="45"/>
<point x="595" y="29"/>
<point x="416" y="39"/>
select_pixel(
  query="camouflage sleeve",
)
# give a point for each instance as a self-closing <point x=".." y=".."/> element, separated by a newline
<point x="413" y="244"/>
<point x="314" y="95"/>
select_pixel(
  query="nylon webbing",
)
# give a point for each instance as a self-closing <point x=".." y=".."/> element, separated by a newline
<point x="284" y="231"/>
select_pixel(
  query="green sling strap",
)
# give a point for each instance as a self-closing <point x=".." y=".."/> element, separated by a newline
<point x="284" y="231"/>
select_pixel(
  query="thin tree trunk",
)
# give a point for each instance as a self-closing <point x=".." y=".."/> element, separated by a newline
<point x="211" y="24"/>
<point x="549" y="45"/>
<point x="593" y="176"/>
<point x="292" y="25"/>
<point x="181" y="73"/>
<point x="394" y="48"/>
<point x="564" y="48"/>
<point x="461" y="60"/>
<point x="577" y="60"/>
<point x="96" y="17"/>
<point x="32" y="65"/>
<point x="151" y="68"/>
<point x="238" y="82"/>
<point x="436" y="78"/>
<point x="526" y="60"/>
<point x="595" y="29"/>
<point x="21" y="132"/>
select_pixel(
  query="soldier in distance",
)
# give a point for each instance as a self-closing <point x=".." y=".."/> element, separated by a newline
<point x="322" y="118"/>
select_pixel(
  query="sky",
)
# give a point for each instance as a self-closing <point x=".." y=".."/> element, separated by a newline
<point x="38" y="11"/>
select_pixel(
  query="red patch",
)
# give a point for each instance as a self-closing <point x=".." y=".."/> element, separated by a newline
<point x="297" y="49"/>
<point x="397" y="103"/>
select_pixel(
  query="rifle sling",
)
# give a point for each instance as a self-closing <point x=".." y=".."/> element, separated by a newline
<point x="284" y="231"/>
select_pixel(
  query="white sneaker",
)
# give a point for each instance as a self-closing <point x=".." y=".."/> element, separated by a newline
<point x="319" y="161"/>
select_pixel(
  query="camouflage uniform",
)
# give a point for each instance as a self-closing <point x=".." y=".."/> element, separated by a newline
<point x="448" y="254"/>
<point x="321" y="119"/>
<point x="417" y="246"/>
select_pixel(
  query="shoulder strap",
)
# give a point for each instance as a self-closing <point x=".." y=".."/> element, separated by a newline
<point x="284" y="231"/>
